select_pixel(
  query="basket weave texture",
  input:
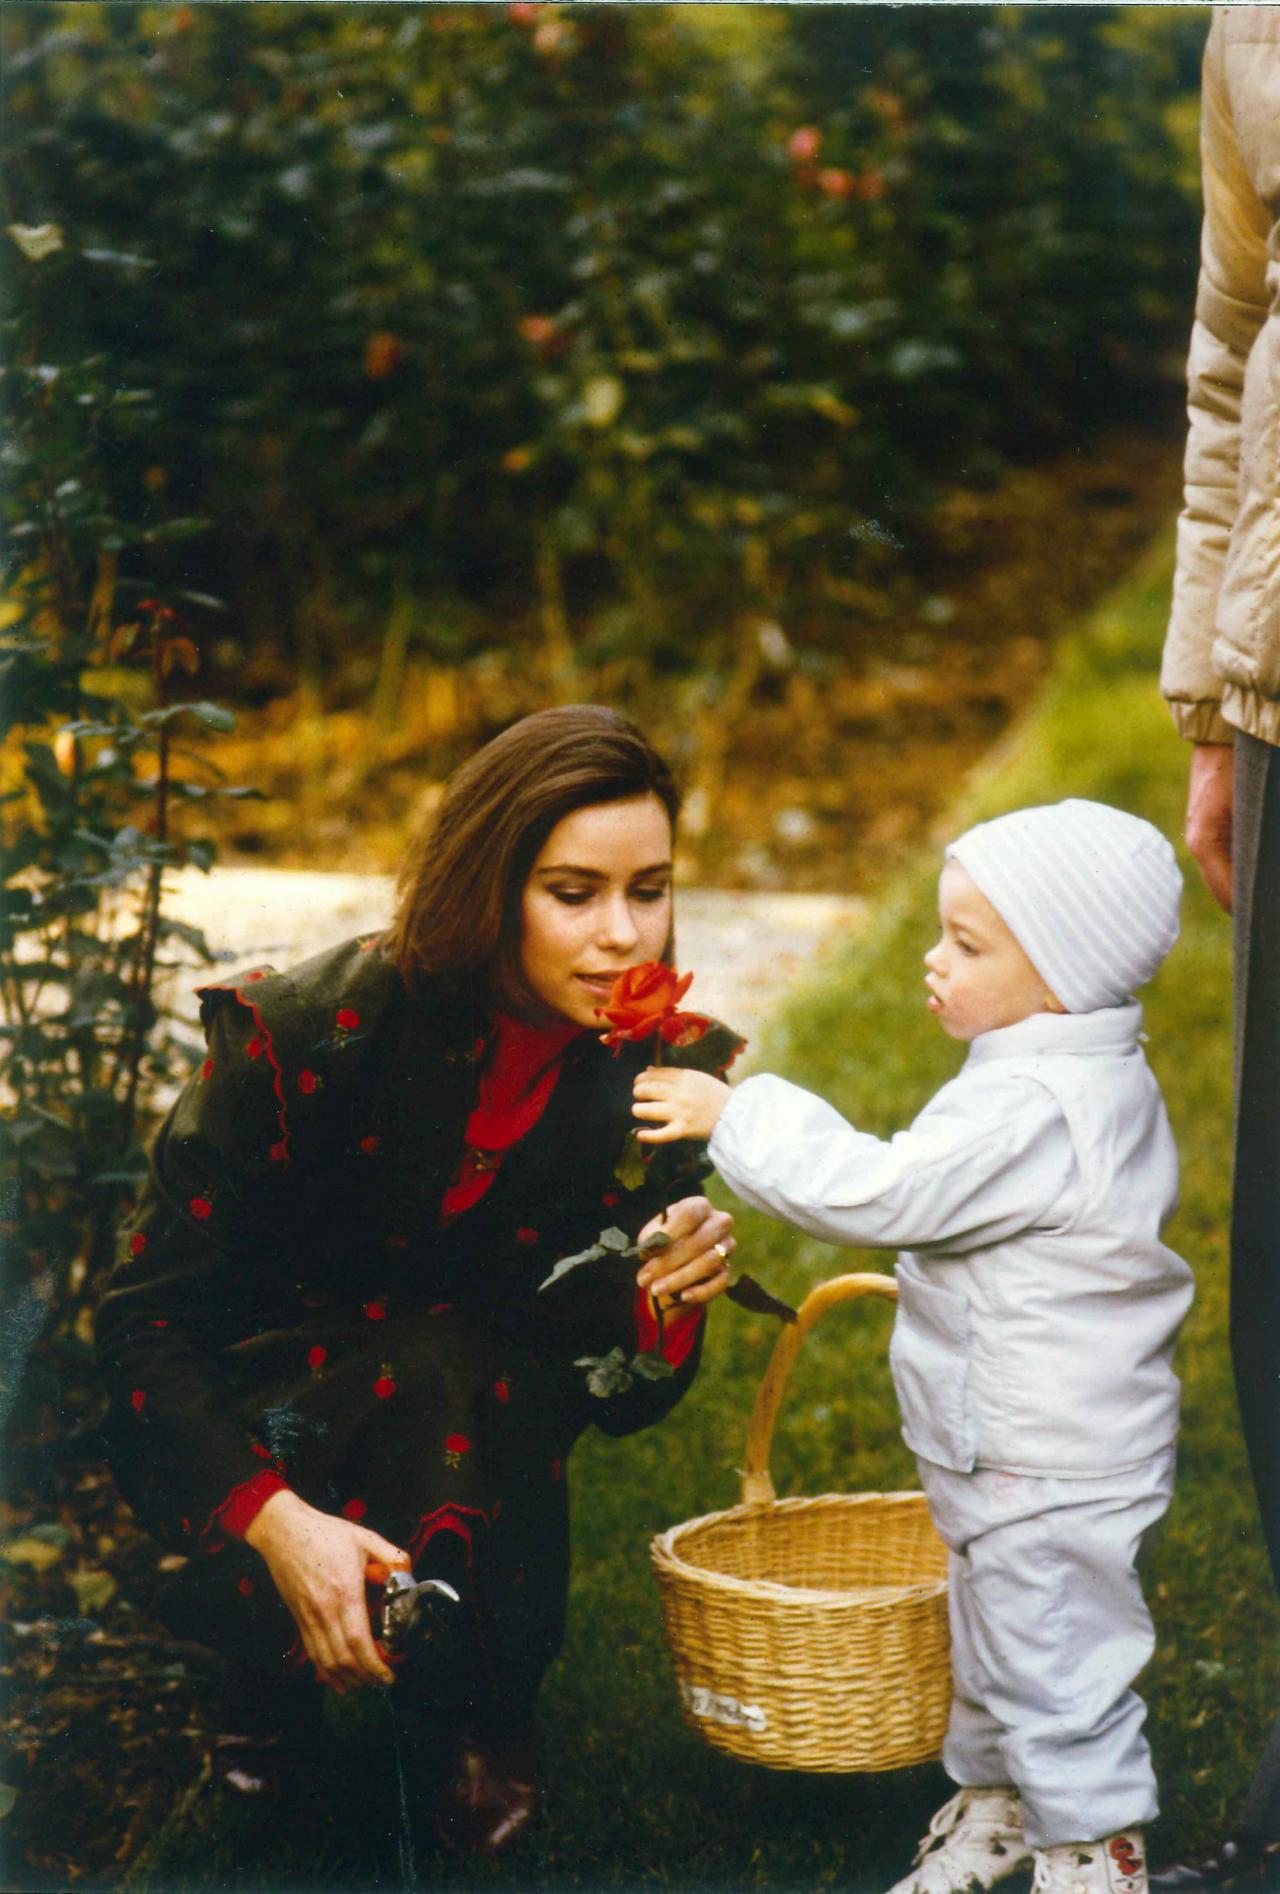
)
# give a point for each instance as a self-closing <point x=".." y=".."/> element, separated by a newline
<point x="810" y="1634"/>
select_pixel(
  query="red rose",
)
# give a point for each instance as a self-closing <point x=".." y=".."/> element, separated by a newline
<point x="347" y="1019"/>
<point x="456" y="1443"/>
<point x="683" y="1029"/>
<point x="805" y="143"/>
<point x="641" y="999"/>
<point x="307" y="1080"/>
<point x="138" y="1400"/>
<point x="354" y="1509"/>
<point x="200" y="1207"/>
<point x="384" y="1387"/>
<point x="376" y="1311"/>
<point x="137" y="1243"/>
<point x="317" y="1356"/>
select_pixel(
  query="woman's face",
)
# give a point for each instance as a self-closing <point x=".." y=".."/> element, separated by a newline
<point x="597" y="900"/>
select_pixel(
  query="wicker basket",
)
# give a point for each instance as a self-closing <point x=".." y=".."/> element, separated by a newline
<point x="810" y="1633"/>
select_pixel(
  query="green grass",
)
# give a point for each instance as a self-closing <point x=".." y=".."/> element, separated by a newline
<point x="633" y="1799"/>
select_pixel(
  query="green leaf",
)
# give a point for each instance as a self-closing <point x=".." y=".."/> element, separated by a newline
<point x="607" y="1375"/>
<point x="651" y="1367"/>
<point x="94" y="1590"/>
<point x="749" y="1294"/>
<point x="614" y="1239"/>
<point x="567" y="1263"/>
<point x="631" y="1168"/>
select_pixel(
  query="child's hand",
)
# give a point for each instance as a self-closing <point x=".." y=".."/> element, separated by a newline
<point x="678" y="1104"/>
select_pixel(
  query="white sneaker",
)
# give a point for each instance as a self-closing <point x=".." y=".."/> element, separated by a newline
<point x="1117" y="1865"/>
<point x="974" y="1840"/>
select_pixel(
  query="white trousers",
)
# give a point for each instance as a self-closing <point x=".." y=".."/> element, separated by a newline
<point x="1049" y="1628"/>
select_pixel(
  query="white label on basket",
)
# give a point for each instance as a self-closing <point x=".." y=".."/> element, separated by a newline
<point x="714" y="1708"/>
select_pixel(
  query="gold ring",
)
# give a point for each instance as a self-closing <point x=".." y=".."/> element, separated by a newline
<point x="721" y="1252"/>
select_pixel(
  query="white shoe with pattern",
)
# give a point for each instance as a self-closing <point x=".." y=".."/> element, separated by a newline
<point x="974" y="1841"/>
<point x="1117" y="1865"/>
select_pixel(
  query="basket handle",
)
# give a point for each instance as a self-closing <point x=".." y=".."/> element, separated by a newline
<point x="757" y="1487"/>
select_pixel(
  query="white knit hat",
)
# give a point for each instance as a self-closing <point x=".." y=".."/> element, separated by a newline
<point x="1089" y="893"/>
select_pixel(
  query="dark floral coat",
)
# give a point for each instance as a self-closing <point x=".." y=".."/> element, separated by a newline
<point x="295" y="1195"/>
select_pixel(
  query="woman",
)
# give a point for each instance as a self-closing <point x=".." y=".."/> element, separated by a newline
<point x="331" y="1339"/>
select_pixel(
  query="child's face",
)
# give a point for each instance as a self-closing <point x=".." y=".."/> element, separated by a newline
<point x="978" y="976"/>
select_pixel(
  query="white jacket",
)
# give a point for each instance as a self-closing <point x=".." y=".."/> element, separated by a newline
<point x="1222" y="657"/>
<point x="1037" y="1305"/>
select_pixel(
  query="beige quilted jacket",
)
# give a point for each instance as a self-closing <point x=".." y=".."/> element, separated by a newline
<point x="1222" y="657"/>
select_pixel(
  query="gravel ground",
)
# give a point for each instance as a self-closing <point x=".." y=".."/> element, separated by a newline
<point x="746" y="948"/>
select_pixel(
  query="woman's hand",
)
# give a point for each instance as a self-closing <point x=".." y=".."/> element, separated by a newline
<point x="678" y="1103"/>
<point x="695" y="1266"/>
<point x="317" y="1564"/>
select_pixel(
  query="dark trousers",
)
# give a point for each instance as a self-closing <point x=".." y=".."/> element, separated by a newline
<point x="1255" y="1226"/>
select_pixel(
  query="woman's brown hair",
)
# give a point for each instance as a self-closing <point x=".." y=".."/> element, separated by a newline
<point x="458" y="900"/>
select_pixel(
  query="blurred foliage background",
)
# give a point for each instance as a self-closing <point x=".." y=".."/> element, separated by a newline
<point x="788" y="376"/>
<point x="677" y="356"/>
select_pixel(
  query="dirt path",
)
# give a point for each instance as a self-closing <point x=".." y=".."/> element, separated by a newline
<point x="746" y="948"/>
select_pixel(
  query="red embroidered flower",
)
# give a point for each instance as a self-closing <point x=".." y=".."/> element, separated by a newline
<point x="200" y="1207"/>
<point x="527" y="1235"/>
<point x="245" y="1588"/>
<point x="347" y="1019"/>
<point x="160" y="1321"/>
<point x="137" y="1243"/>
<point x="279" y="1152"/>
<point x="502" y="1391"/>
<point x="641" y="998"/>
<point x="376" y="1311"/>
<point x="557" y="1469"/>
<point x="610" y="1198"/>
<point x="440" y="1308"/>
<point x="206" y="1070"/>
<point x="138" y="1400"/>
<point x="307" y="1080"/>
<point x="256" y="1047"/>
<point x="317" y="1356"/>
<point x="384" y="1387"/>
<point x="457" y="1443"/>
<point x="370" y="1144"/>
<point x="263" y="1453"/>
<point x="354" y="1509"/>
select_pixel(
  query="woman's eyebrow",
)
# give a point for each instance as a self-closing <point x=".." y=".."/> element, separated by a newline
<point x="598" y="874"/>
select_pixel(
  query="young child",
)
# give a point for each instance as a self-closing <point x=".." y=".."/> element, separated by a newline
<point x="1036" y="1319"/>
